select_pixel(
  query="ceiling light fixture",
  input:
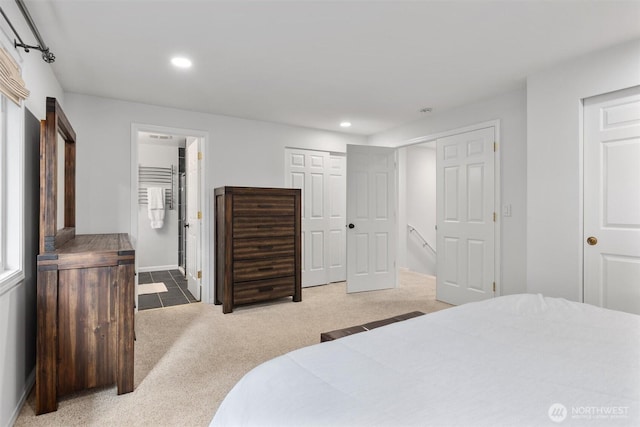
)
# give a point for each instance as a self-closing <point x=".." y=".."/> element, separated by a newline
<point x="181" y="62"/>
<point x="345" y="124"/>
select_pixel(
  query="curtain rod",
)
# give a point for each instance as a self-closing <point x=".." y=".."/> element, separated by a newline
<point x="47" y="55"/>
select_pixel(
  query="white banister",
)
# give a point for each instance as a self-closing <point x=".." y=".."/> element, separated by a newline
<point x="425" y="244"/>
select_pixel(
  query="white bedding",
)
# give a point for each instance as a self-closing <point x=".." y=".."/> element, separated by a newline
<point x="502" y="362"/>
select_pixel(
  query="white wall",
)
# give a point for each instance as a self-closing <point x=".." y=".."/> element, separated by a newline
<point x="158" y="247"/>
<point x="239" y="152"/>
<point x="402" y="211"/>
<point x="17" y="305"/>
<point x="554" y="162"/>
<point x="510" y="109"/>
<point x="421" y="207"/>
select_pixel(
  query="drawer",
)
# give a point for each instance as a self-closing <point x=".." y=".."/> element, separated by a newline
<point x="263" y="248"/>
<point x="258" y="205"/>
<point x="245" y="270"/>
<point x="265" y="226"/>
<point x="263" y="290"/>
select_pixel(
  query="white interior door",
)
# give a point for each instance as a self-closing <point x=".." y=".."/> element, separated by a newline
<point x="465" y="216"/>
<point x="371" y="215"/>
<point x="612" y="200"/>
<point x="309" y="171"/>
<point x="322" y="178"/>
<point x="337" y="247"/>
<point x="192" y="232"/>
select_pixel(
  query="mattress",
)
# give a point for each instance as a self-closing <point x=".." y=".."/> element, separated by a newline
<point x="520" y="360"/>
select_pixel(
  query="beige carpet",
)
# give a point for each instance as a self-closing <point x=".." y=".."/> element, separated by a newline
<point x="188" y="357"/>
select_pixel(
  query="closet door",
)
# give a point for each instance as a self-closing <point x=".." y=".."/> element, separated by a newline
<point x="611" y="240"/>
<point x="321" y="177"/>
<point x="371" y="215"/>
<point x="337" y="234"/>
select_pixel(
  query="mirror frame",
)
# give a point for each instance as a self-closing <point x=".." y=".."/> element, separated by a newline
<point x="56" y="123"/>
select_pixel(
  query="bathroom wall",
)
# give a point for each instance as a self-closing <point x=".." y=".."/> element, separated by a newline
<point x="158" y="248"/>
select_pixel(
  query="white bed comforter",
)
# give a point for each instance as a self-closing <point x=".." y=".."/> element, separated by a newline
<point x="502" y="362"/>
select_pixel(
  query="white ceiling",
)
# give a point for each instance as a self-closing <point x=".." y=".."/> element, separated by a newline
<point x="316" y="63"/>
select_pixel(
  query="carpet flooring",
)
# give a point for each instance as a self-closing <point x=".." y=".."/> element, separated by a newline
<point x="188" y="357"/>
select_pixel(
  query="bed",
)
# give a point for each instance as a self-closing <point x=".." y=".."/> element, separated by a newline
<point x="520" y="360"/>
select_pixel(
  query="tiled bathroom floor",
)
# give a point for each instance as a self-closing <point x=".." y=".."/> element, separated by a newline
<point x="176" y="284"/>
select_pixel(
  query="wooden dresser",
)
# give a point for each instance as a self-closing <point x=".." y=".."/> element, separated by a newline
<point x="86" y="294"/>
<point x="86" y="285"/>
<point x="258" y="245"/>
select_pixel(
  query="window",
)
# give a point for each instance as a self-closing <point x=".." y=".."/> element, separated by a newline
<point x="12" y="94"/>
<point x="3" y="122"/>
<point x="11" y="194"/>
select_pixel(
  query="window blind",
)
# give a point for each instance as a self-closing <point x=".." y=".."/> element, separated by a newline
<point x="11" y="83"/>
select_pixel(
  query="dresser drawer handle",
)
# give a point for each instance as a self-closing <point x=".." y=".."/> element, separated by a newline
<point x="265" y="269"/>
<point x="266" y="289"/>
<point x="265" y="248"/>
<point x="265" y="226"/>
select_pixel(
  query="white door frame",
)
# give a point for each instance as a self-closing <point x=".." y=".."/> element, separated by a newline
<point x="497" y="185"/>
<point x="207" y="283"/>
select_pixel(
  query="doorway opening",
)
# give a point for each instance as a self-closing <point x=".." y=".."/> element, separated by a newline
<point x="417" y="226"/>
<point x="167" y="187"/>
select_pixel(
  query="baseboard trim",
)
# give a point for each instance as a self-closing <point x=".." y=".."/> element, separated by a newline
<point x="28" y="385"/>
<point x="157" y="268"/>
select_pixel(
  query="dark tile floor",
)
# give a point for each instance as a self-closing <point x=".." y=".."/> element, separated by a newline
<point x="176" y="284"/>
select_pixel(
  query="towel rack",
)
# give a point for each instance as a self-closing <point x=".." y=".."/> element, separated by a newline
<point x="150" y="176"/>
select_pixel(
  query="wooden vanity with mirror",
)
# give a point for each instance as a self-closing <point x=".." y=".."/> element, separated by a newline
<point x="86" y="284"/>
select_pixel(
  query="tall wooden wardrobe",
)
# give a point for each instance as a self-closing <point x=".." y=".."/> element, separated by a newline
<point x="85" y="295"/>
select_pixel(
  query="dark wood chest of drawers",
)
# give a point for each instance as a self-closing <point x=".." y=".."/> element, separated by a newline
<point x="258" y="245"/>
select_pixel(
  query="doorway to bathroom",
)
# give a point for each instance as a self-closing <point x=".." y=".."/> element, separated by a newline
<point x="167" y="215"/>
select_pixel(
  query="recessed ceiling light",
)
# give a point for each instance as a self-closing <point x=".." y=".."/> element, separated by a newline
<point x="345" y="124"/>
<point x="181" y="62"/>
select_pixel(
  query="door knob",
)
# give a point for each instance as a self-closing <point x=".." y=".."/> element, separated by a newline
<point x="351" y="226"/>
<point x="592" y="241"/>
